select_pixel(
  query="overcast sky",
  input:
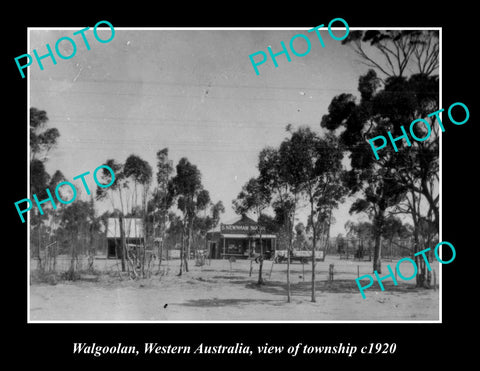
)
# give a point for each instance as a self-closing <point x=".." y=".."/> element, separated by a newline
<point x="193" y="91"/>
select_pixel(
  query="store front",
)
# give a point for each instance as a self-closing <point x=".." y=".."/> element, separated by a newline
<point x="241" y="238"/>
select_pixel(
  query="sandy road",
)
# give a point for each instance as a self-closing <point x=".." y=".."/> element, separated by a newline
<point x="216" y="293"/>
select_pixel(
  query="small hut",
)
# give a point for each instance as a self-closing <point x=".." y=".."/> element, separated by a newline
<point x="133" y="229"/>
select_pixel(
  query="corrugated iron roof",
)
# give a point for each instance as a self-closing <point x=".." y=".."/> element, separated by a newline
<point x="133" y="228"/>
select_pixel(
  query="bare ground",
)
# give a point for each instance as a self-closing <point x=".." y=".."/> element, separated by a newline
<point x="225" y="292"/>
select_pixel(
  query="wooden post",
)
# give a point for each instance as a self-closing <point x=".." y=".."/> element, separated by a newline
<point x="271" y="269"/>
<point x="330" y="272"/>
<point x="358" y="271"/>
<point x="223" y="248"/>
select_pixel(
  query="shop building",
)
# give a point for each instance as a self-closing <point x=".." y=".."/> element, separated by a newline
<point x="240" y="238"/>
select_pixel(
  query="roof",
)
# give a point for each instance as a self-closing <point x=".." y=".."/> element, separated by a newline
<point x="133" y="228"/>
<point x="239" y="226"/>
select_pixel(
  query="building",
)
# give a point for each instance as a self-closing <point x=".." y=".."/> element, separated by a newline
<point x="133" y="228"/>
<point x="239" y="238"/>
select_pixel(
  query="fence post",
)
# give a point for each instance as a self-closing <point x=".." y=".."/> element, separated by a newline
<point x="330" y="272"/>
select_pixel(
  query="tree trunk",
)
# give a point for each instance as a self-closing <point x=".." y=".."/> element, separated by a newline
<point x="377" y="260"/>
<point x="160" y="254"/>
<point x="431" y="201"/>
<point x="314" y="242"/>
<point x="377" y="249"/>
<point x="260" y="278"/>
<point x="420" y="277"/>
<point x="123" y="246"/>
<point x="260" y="268"/>
<point x="72" y="260"/>
<point x="181" y="252"/>
<point x="144" y="231"/>
<point x="189" y="244"/>
<point x="161" y="244"/>
<point x="187" y="252"/>
<point x="288" y="265"/>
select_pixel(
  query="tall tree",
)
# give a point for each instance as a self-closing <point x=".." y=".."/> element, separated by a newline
<point x="191" y="198"/>
<point x="384" y="182"/>
<point x="315" y="168"/>
<point x="115" y="192"/>
<point x="275" y="176"/>
<point x="203" y="223"/>
<point x="42" y="140"/>
<point x="140" y="172"/>
<point x="396" y="99"/>
<point x="254" y="197"/>
<point x="160" y="202"/>
<point x="77" y="219"/>
<point x="163" y="194"/>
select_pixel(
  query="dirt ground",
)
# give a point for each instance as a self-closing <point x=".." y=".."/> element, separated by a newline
<point x="224" y="291"/>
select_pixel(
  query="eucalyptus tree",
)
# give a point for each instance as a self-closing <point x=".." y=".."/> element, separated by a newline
<point x="314" y="168"/>
<point x="406" y="89"/>
<point x="401" y="175"/>
<point x="255" y="198"/>
<point x="42" y="140"/>
<point x="187" y="189"/>
<point x="275" y="176"/>
<point x="115" y="193"/>
<point x="140" y="172"/>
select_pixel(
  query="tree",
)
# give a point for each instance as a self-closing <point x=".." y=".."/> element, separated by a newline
<point x="78" y="219"/>
<point x="191" y="198"/>
<point x="162" y="199"/>
<point x="140" y="172"/>
<point x="385" y="182"/>
<point x="314" y="169"/>
<point x="399" y="50"/>
<point x="42" y="140"/>
<point x="301" y="237"/>
<point x="160" y="202"/>
<point x="116" y="189"/>
<point x="386" y="104"/>
<point x="361" y="230"/>
<point x="271" y="223"/>
<point x="254" y="197"/>
<point x="202" y="224"/>
<point x="275" y="176"/>
<point x="216" y="210"/>
<point x="380" y="192"/>
<point x="394" y="228"/>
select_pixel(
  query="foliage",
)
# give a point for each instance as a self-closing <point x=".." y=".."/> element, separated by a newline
<point x="186" y="187"/>
<point x="386" y="182"/>
<point x="42" y="140"/>
<point x="254" y="197"/>
<point x="399" y="49"/>
<point x="313" y="168"/>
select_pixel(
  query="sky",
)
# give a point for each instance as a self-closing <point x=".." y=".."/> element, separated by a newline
<point x="193" y="91"/>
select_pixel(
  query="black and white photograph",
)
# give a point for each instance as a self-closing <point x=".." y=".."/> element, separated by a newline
<point x="239" y="184"/>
